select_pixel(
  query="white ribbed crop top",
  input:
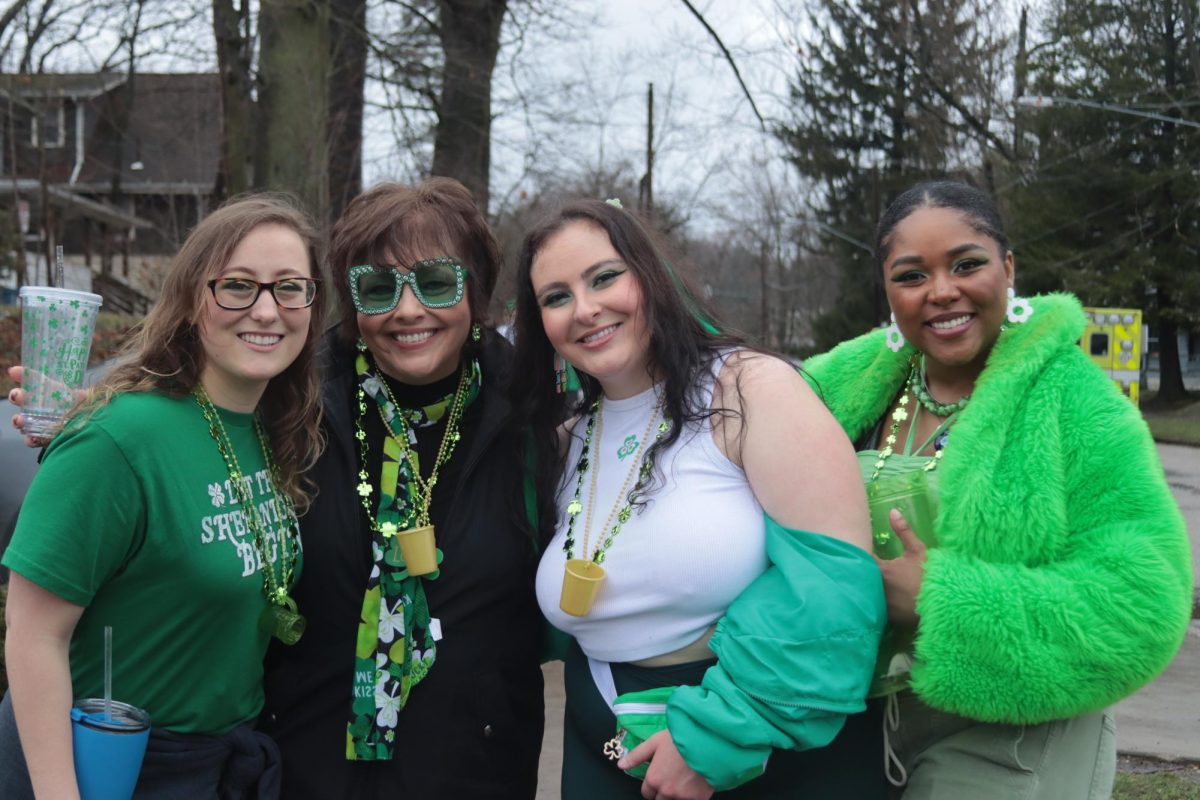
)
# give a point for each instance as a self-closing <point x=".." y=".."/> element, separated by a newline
<point x="675" y="566"/>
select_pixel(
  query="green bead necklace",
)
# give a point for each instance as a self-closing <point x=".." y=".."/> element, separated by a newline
<point x="921" y="390"/>
<point x="898" y="416"/>
<point x="424" y="487"/>
<point x="280" y="618"/>
<point x="620" y="514"/>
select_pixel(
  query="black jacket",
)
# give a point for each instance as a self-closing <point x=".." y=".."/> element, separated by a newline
<point x="473" y="727"/>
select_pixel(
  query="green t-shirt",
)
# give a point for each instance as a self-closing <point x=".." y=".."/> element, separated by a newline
<point x="132" y="516"/>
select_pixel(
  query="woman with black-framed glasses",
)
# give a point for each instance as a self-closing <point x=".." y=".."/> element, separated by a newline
<point x="236" y="293"/>
<point x="414" y="683"/>
<point x="165" y="509"/>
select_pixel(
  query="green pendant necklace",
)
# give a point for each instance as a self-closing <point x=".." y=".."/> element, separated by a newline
<point x="280" y="618"/>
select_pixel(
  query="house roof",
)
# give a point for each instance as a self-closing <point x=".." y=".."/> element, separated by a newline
<point x="173" y="138"/>
<point x="81" y="85"/>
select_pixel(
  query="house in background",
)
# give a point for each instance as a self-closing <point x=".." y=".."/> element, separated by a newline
<point x="115" y="168"/>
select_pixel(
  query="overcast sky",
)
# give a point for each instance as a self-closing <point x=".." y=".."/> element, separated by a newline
<point x="574" y="99"/>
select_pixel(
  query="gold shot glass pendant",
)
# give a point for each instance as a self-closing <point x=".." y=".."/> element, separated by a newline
<point x="582" y="580"/>
<point x="417" y="550"/>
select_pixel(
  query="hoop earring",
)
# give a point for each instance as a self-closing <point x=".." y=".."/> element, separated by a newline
<point x="1019" y="308"/>
<point x="893" y="336"/>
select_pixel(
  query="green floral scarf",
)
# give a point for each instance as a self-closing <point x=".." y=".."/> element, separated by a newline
<point x="397" y="640"/>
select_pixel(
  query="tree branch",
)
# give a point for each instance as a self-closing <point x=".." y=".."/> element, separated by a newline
<point x="728" y="57"/>
<point x="946" y="95"/>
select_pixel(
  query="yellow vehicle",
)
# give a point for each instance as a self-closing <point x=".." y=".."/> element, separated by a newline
<point x="1114" y="340"/>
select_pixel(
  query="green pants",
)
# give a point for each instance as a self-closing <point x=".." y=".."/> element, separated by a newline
<point x="948" y="757"/>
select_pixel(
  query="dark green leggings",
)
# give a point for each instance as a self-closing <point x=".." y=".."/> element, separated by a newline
<point x="849" y="768"/>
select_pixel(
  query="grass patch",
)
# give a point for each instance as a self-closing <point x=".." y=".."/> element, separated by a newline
<point x="1154" y="786"/>
<point x="1177" y="422"/>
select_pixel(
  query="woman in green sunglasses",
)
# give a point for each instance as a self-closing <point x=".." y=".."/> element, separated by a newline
<point x="414" y="680"/>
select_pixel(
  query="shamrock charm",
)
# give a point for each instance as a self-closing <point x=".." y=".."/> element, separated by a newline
<point x="613" y="749"/>
<point x="574" y="507"/>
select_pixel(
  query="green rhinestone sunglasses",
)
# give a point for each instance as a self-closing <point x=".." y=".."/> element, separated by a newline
<point x="436" y="282"/>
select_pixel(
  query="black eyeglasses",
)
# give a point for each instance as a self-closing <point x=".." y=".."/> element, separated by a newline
<point x="235" y="294"/>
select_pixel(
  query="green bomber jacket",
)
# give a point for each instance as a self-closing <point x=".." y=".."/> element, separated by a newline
<point x="1062" y="580"/>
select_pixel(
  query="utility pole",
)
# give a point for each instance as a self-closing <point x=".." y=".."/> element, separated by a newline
<point x="1021" y="71"/>
<point x="646" y="188"/>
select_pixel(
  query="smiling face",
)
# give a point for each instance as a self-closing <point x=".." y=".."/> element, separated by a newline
<point x="947" y="285"/>
<point x="414" y="344"/>
<point x="591" y="308"/>
<point x="244" y="349"/>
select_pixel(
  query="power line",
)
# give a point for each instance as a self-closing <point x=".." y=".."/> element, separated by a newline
<point x="1050" y="102"/>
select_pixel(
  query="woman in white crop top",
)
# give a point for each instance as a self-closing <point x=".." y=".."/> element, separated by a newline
<point x="717" y="505"/>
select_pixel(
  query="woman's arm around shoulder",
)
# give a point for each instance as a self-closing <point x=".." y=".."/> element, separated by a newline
<point x="797" y="459"/>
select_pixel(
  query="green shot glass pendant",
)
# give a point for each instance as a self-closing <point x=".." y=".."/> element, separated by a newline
<point x="282" y="619"/>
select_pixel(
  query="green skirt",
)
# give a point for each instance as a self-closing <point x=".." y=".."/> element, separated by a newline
<point x="849" y="768"/>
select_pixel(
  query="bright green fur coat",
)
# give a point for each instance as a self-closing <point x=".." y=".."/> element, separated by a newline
<point x="1062" y="580"/>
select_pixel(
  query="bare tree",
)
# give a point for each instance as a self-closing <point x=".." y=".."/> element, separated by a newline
<point x="470" y="35"/>
<point x="347" y="76"/>
<point x="293" y="98"/>
<point x="235" y="54"/>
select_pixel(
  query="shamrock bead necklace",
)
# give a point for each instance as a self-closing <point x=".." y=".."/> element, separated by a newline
<point x="641" y="466"/>
<point x="281" y="617"/>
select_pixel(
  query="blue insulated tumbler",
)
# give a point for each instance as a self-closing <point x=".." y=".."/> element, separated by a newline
<point x="108" y="751"/>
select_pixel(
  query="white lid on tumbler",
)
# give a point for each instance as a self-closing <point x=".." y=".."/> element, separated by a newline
<point x="53" y="292"/>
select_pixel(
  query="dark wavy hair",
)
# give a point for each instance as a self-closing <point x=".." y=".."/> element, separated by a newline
<point x="392" y="223"/>
<point x="977" y="207"/>
<point x="166" y="353"/>
<point x="685" y="338"/>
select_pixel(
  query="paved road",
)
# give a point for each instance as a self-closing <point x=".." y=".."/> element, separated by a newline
<point x="1182" y="467"/>
<point x="1162" y="720"/>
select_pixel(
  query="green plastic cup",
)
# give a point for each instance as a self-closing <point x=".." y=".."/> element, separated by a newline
<point x="56" y="337"/>
<point x="909" y="493"/>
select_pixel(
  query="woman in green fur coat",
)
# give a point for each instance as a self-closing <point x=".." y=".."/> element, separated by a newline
<point x="1053" y="578"/>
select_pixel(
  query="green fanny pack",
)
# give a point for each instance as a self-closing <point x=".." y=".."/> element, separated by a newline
<point x="639" y="715"/>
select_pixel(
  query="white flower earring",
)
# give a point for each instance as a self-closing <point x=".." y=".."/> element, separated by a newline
<point x="1019" y="309"/>
<point x="893" y="336"/>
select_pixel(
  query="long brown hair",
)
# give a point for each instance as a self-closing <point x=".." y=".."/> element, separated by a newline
<point x="166" y="354"/>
